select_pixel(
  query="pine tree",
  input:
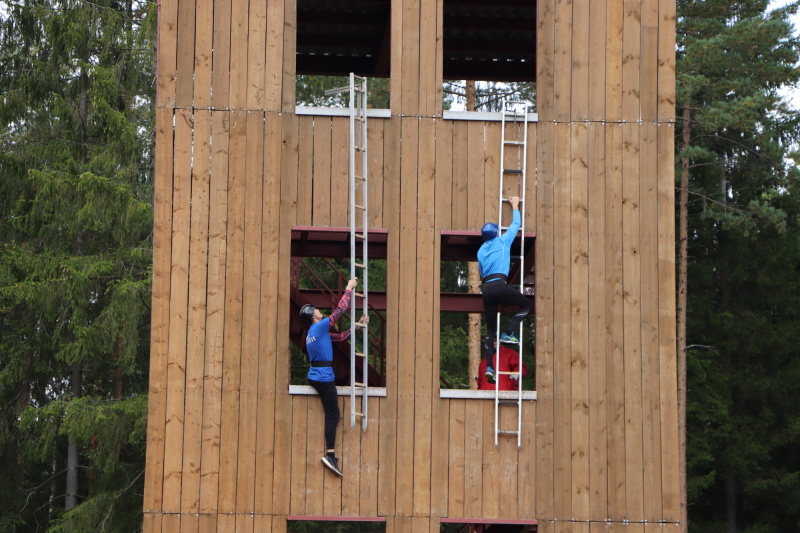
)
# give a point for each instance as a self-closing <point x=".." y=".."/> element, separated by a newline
<point x="742" y="216"/>
<point x="75" y="227"/>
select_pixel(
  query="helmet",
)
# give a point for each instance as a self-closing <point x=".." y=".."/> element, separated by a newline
<point x="490" y="231"/>
<point x="306" y="313"/>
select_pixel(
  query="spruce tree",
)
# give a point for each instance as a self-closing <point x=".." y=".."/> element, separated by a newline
<point x="76" y="80"/>
<point x="741" y="228"/>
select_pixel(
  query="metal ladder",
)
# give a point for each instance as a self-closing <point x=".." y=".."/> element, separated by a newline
<point x="515" y="141"/>
<point x="359" y="331"/>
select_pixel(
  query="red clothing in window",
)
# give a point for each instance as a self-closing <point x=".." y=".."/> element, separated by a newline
<point x="509" y="362"/>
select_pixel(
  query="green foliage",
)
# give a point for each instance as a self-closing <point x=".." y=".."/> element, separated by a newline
<point x="75" y="259"/>
<point x="310" y="91"/>
<point x="744" y="215"/>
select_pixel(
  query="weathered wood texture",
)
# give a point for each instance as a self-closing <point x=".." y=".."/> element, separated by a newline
<point x="229" y="449"/>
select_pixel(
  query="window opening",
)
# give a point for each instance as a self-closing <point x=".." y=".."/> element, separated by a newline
<point x="337" y="38"/>
<point x="337" y="525"/>
<point x="489" y="54"/>
<point x="320" y="269"/>
<point x="462" y="525"/>
<point x="458" y="250"/>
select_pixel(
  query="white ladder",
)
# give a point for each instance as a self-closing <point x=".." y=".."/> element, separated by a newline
<point x="513" y="169"/>
<point x="359" y="331"/>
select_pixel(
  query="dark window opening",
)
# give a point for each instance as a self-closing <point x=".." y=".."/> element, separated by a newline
<point x="336" y="525"/>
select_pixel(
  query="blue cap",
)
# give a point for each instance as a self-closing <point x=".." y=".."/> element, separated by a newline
<point x="490" y="231"/>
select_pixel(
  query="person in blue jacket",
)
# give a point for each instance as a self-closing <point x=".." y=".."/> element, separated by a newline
<point x="494" y="260"/>
<point x="320" y="354"/>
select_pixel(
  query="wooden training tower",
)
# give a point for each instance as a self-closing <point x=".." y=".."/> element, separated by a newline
<point x="229" y="449"/>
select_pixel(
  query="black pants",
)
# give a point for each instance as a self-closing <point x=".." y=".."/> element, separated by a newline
<point x="330" y="402"/>
<point x="496" y="293"/>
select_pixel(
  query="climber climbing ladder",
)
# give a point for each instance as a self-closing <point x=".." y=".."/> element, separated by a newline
<point x="359" y="332"/>
<point x="513" y="158"/>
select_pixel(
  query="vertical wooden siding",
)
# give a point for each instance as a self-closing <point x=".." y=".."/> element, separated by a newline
<point x="230" y="450"/>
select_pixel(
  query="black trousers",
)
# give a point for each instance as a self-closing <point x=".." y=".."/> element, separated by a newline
<point x="497" y="293"/>
<point x="330" y="402"/>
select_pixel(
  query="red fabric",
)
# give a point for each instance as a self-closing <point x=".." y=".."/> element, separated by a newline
<point x="509" y="362"/>
<point x="341" y="309"/>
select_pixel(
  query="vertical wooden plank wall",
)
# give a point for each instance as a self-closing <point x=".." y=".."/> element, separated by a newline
<point x="230" y="450"/>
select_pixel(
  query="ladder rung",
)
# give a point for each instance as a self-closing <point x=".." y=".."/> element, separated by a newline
<point x="358" y="294"/>
<point x="360" y="236"/>
<point x="507" y="373"/>
<point x="508" y="431"/>
<point x="512" y="171"/>
<point x="358" y="414"/>
<point x="361" y="354"/>
<point x="362" y="178"/>
<point x="360" y="324"/>
<point x="508" y="402"/>
<point x="517" y="143"/>
<point x="362" y="119"/>
<point x="508" y="200"/>
<point x="360" y="385"/>
<point x="360" y="206"/>
<point x="360" y="149"/>
<point x="360" y="265"/>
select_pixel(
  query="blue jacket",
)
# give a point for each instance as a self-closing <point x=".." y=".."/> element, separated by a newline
<point x="319" y="341"/>
<point x="494" y="256"/>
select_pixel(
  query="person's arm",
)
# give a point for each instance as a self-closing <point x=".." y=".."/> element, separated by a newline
<point x="344" y="302"/>
<point x="516" y="221"/>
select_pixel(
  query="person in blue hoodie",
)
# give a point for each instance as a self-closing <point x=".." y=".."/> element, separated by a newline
<point x="494" y="260"/>
<point x="320" y="354"/>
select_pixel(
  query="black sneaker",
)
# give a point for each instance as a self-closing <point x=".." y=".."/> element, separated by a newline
<point x="331" y="462"/>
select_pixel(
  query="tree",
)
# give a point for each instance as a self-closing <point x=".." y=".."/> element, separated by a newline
<point x="740" y="262"/>
<point x="76" y="224"/>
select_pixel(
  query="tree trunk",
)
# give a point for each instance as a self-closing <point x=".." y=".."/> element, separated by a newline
<point x="681" y="311"/>
<point x="71" y="499"/>
<point x="471" y="95"/>
<point x="474" y="327"/>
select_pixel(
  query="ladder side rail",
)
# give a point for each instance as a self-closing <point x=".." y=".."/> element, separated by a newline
<point x="362" y="125"/>
<point x="353" y="307"/>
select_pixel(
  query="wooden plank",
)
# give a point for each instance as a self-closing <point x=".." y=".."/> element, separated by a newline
<point x="171" y="522"/>
<point x="597" y="60"/>
<point x="649" y="76"/>
<point x="221" y="58"/>
<point x="490" y="459"/>
<point x="234" y="279"/>
<point x="473" y="458"/>
<point x="321" y="215"/>
<point x="178" y="309"/>
<point x="167" y="53"/>
<point x="351" y="456"/>
<point x="632" y="312"/>
<point x="331" y="483"/>
<point x="208" y="523"/>
<point x="598" y="427"/>
<point x="631" y="62"/>
<point x="396" y="53"/>
<point x="438" y="68"/>
<point x="668" y="372"/>
<point x="190" y="523"/>
<point x="651" y="441"/>
<point x="510" y="460"/>
<point x="579" y="302"/>
<point x="476" y="183"/>
<point x="245" y="523"/>
<point x="226" y="523"/>
<point x="460" y="193"/>
<point x="531" y="193"/>
<point x="428" y="41"/>
<point x="300" y="461"/>
<point x="544" y="319"/>
<point x="387" y="451"/>
<point x="305" y="167"/>
<point x="614" y="325"/>
<point x="269" y="412"/>
<point x="410" y="61"/>
<point x="184" y="82"/>
<point x="151" y="523"/>
<point x="581" y="31"/>
<point x="562" y="416"/>
<point x="204" y="39"/>
<point x="289" y="80"/>
<point x="275" y="57"/>
<point x="315" y="449"/>
<point x="426" y="294"/>
<point x="375" y="172"/>
<point x="407" y="308"/>
<point x="440" y="457"/>
<point x="667" y="18"/>
<point x="527" y="465"/>
<point x="456" y="473"/>
<point x="251" y="318"/>
<point x="159" y="332"/>
<point x="562" y="79"/>
<point x="239" y="60"/>
<point x="198" y="283"/>
<point x="444" y="174"/>
<point x="613" y="85"/>
<point x="291" y="178"/>
<point x="215" y="313"/>
<point x="546" y="59"/>
<point x="256" y="57"/>
<point x="491" y="176"/>
<point x="370" y="468"/>
<point x="340" y="172"/>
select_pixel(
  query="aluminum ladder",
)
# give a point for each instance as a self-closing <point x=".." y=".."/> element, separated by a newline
<point x="359" y="331"/>
<point x="513" y="174"/>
